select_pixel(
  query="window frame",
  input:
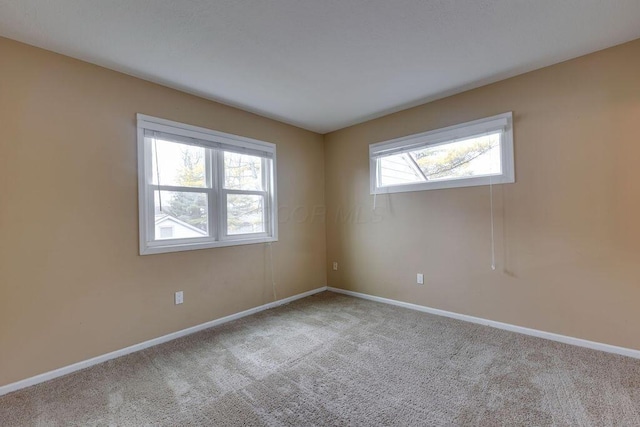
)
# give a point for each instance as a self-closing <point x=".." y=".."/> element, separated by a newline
<point x="501" y="122"/>
<point x="215" y="144"/>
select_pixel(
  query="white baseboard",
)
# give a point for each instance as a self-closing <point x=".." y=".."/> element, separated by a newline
<point x="506" y="326"/>
<point x="146" y="344"/>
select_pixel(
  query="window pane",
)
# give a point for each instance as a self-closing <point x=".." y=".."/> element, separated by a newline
<point x="245" y="214"/>
<point x="399" y="169"/>
<point x="478" y="156"/>
<point x="182" y="215"/>
<point x="177" y="164"/>
<point x="242" y="172"/>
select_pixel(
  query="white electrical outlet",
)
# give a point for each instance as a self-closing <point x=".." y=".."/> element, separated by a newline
<point x="335" y="265"/>
<point x="179" y="297"/>
<point x="420" y="279"/>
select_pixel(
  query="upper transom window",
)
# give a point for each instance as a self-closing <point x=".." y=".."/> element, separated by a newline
<point x="473" y="153"/>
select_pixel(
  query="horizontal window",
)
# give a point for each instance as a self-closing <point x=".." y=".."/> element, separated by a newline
<point x="474" y="153"/>
<point x="201" y="189"/>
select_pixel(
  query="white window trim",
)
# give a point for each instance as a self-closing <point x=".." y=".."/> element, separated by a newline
<point x="446" y="135"/>
<point x="210" y="138"/>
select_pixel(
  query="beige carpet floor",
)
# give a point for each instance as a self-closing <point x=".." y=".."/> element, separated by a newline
<point x="335" y="360"/>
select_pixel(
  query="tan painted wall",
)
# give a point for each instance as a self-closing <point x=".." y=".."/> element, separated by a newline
<point x="78" y="288"/>
<point x="568" y="231"/>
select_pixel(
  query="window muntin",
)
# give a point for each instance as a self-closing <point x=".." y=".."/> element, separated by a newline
<point x="212" y="189"/>
<point x="474" y="153"/>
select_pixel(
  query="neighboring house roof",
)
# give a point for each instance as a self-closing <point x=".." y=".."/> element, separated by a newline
<point x="401" y="169"/>
<point x="164" y="217"/>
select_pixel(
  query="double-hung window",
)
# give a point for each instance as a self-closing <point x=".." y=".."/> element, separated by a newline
<point x="474" y="153"/>
<point x="200" y="188"/>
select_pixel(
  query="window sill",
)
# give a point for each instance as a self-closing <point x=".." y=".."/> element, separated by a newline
<point x="441" y="185"/>
<point x="166" y="248"/>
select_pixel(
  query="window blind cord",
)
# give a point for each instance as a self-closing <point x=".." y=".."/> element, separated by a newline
<point x="493" y="246"/>
<point x="493" y="242"/>
<point x="375" y="198"/>
<point x="273" y="280"/>
<point x="155" y="148"/>
<point x="271" y="226"/>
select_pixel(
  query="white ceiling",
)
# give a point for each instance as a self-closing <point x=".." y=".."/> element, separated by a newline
<point x="322" y="64"/>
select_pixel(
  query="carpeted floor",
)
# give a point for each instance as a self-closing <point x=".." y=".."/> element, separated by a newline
<point x="335" y="360"/>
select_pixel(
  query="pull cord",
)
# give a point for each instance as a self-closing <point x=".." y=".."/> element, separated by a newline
<point x="493" y="243"/>
<point x="273" y="280"/>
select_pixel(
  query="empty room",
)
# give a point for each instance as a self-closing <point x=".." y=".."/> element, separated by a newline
<point x="319" y="213"/>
